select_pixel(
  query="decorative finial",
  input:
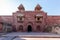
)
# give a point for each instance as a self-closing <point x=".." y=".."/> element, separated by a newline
<point x="38" y="7"/>
<point x="21" y="7"/>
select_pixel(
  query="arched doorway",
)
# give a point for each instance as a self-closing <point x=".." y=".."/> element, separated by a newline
<point x="29" y="28"/>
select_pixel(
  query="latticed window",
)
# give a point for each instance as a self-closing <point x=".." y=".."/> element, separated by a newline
<point x="20" y="18"/>
<point x="39" y="18"/>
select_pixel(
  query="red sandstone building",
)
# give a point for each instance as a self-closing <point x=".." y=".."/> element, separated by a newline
<point x="27" y="21"/>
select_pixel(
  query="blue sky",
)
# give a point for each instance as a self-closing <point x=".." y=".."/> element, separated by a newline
<point x="52" y="7"/>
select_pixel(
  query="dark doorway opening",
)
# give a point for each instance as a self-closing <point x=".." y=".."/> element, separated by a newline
<point x="29" y="28"/>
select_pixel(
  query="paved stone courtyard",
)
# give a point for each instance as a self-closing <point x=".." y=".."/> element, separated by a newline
<point x="27" y="35"/>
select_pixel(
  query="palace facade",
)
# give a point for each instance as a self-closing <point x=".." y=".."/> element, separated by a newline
<point x="28" y="21"/>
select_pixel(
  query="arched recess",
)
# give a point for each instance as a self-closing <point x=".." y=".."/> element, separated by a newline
<point x="14" y="28"/>
<point x="20" y="28"/>
<point x="29" y="28"/>
<point x="38" y="28"/>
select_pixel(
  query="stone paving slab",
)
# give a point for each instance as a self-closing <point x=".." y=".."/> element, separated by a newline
<point x="13" y="35"/>
<point x="9" y="37"/>
<point x="33" y="34"/>
<point x="2" y="38"/>
<point x="19" y="39"/>
<point x="30" y="33"/>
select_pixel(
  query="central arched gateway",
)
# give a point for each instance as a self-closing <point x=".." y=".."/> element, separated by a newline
<point x="29" y="28"/>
